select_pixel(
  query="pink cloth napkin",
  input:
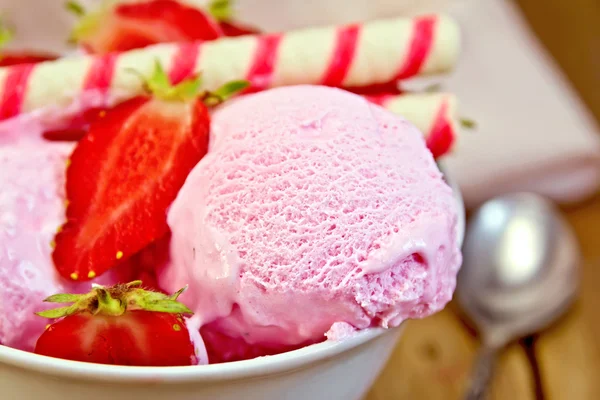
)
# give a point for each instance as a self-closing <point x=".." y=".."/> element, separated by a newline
<point x="533" y="132"/>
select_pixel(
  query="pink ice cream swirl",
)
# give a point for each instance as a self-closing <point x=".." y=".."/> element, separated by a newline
<point x="313" y="209"/>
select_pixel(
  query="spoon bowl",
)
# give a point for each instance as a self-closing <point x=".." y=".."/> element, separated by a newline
<point x="519" y="273"/>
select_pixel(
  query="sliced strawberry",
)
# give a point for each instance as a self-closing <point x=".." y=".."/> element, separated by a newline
<point x="146" y="264"/>
<point x="76" y="128"/>
<point x="120" y="325"/>
<point x="140" y="338"/>
<point x="9" y="58"/>
<point x="231" y="28"/>
<point x="121" y="27"/>
<point x="65" y="135"/>
<point x="126" y="171"/>
<point x="123" y="175"/>
<point x="377" y="89"/>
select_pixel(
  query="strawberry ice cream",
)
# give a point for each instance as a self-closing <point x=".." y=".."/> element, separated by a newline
<point x="31" y="209"/>
<point x="28" y="221"/>
<point x="314" y="213"/>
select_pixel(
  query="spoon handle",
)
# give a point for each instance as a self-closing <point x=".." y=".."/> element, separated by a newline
<point x="482" y="372"/>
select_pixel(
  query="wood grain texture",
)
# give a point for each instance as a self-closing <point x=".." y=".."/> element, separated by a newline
<point x="433" y="361"/>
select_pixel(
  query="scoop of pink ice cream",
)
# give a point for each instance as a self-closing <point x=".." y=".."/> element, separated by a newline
<point x="30" y="213"/>
<point x="313" y="207"/>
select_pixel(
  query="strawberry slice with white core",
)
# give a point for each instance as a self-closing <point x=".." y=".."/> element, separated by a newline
<point x="119" y="325"/>
<point x="126" y="171"/>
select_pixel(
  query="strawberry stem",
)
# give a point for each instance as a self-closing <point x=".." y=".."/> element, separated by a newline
<point x="468" y="123"/>
<point x="159" y="85"/>
<point x="115" y="301"/>
<point x="6" y="35"/>
<point x="75" y="8"/>
<point x="221" y="10"/>
<point x="107" y="305"/>
<point x="230" y="89"/>
<point x="178" y="293"/>
<point x="88" y="22"/>
<point x="63" y="298"/>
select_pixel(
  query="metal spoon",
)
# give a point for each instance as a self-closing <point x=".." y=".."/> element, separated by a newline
<point x="519" y="274"/>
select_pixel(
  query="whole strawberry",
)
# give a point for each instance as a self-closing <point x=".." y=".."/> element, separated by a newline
<point x="119" y="325"/>
<point x="127" y="170"/>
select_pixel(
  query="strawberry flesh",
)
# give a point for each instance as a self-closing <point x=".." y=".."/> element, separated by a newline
<point x="377" y="89"/>
<point x="76" y="129"/>
<point x="231" y="28"/>
<point x="65" y="135"/>
<point x="9" y="58"/>
<point x="140" y="338"/>
<point x="147" y="264"/>
<point x="123" y="176"/>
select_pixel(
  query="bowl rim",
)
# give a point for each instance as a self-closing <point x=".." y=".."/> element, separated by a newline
<point x="255" y="367"/>
<point x="252" y="368"/>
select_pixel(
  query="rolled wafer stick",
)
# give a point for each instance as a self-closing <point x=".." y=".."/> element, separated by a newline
<point x="434" y="114"/>
<point x="349" y="56"/>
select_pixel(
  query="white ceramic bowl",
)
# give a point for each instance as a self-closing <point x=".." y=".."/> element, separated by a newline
<point x="327" y="371"/>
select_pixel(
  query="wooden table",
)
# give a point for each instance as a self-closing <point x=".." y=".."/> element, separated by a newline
<point x="434" y="356"/>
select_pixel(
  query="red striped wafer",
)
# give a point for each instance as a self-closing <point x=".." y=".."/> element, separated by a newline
<point x="184" y="61"/>
<point x="434" y="114"/>
<point x="15" y="89"/>
<point x="356" y="55"/>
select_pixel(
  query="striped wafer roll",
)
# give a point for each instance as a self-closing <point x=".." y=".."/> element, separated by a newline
<point x="435" y="114"/>
<point x="349" y="56"/>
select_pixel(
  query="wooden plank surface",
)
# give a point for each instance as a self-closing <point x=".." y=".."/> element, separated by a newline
<point x="434" y="356"/>
<point x="433" y="361"/>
